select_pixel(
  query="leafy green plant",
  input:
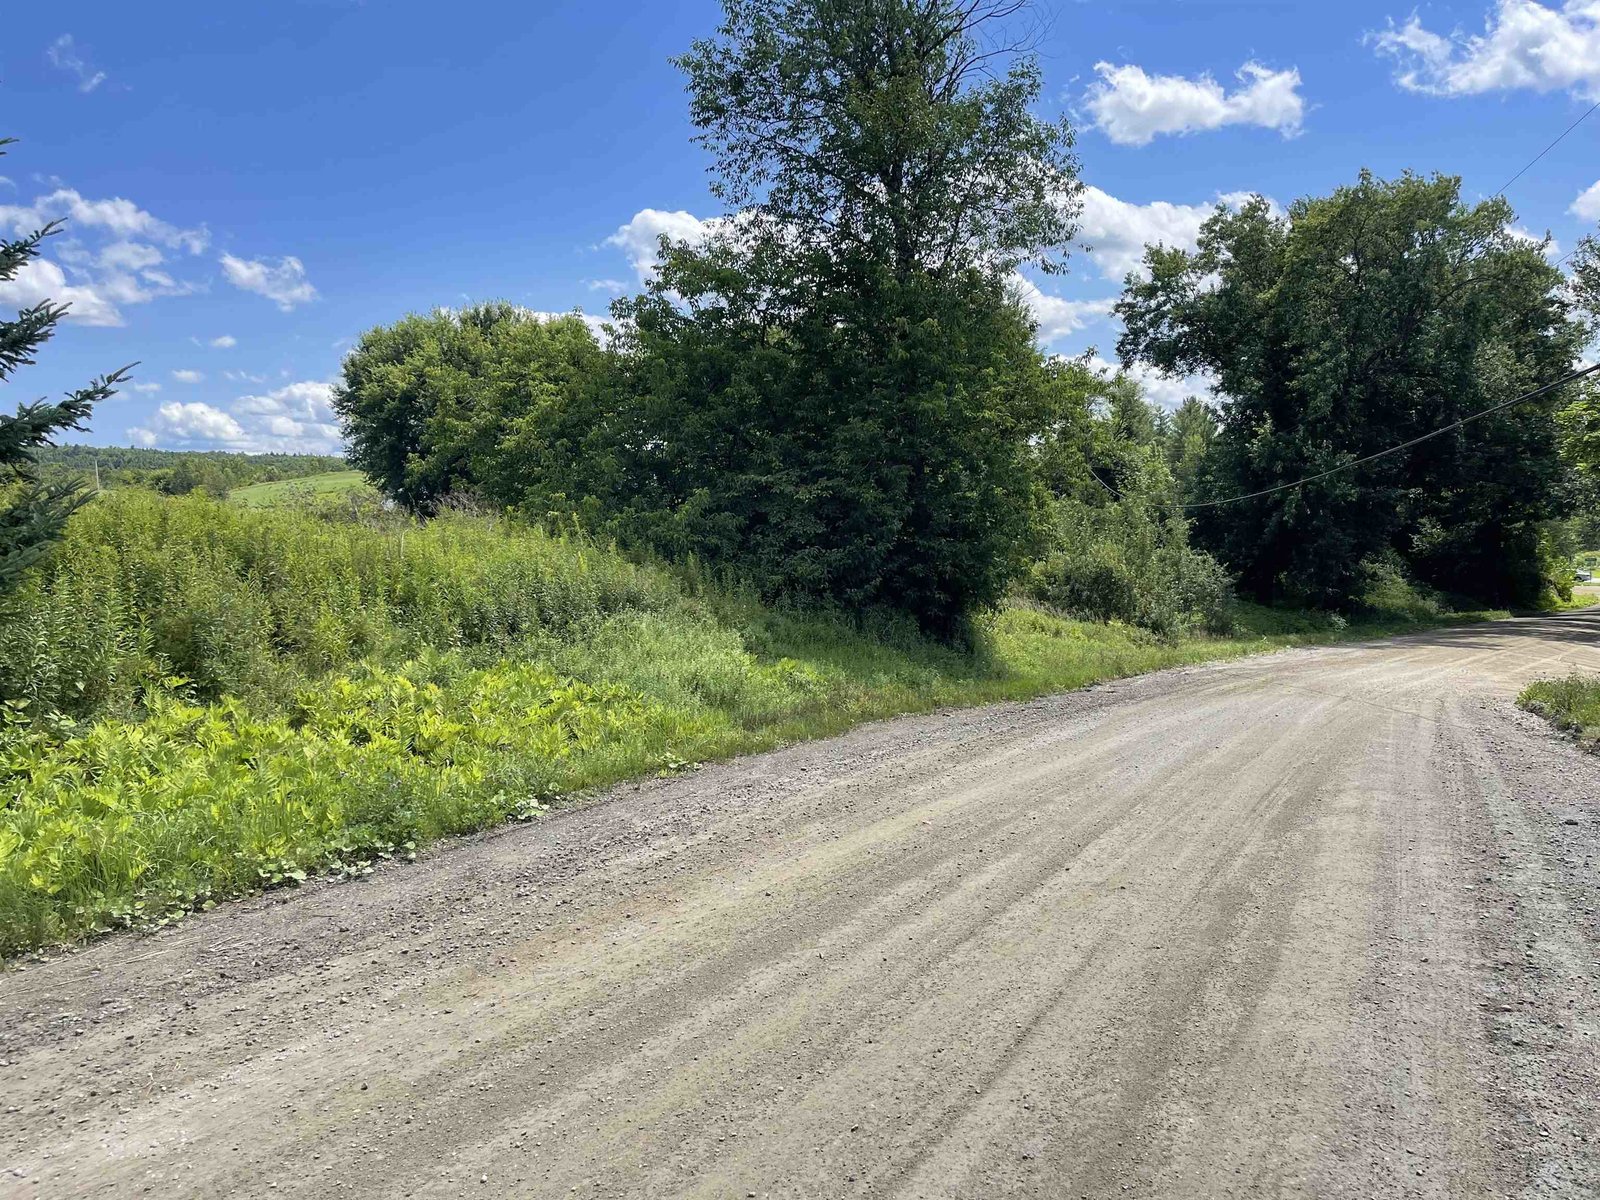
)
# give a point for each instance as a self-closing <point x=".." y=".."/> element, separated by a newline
<point x="1571" y="703"/>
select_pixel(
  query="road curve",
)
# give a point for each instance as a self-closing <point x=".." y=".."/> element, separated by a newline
<point x="1321" y="923"/>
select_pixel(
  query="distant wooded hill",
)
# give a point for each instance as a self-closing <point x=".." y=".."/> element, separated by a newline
<point x="181" y="471"/>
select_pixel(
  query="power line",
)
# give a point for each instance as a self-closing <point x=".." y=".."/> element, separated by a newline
<point x="1353" y="463"/>
<point x="1501" y="190"/>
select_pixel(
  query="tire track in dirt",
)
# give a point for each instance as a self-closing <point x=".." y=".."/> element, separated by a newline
<point x="1308" y="924"/>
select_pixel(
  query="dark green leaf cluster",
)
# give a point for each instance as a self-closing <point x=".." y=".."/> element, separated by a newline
<point x="1350" y="324"/>
<point x="490" y="400"/>
<point x="1118" y="544"/>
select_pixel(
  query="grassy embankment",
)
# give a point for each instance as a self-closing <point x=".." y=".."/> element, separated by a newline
<point x="217" y="698"/>
<point x="1572" y="704"/>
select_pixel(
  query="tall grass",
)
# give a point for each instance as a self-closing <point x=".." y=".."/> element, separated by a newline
<point x="1571" y="703"/>
<point x="201" y="700"/>
<point x="252" y="604"/>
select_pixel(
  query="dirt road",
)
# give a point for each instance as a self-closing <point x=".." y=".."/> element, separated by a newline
<point x="1315" y="924"/>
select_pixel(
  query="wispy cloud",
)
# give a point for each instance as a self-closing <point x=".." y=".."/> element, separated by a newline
<point x="1524" y="44"/>
<point x="64" y="54"/>
<point x="283" y="282"/>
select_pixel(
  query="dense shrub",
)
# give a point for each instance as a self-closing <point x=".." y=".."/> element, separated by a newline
<point x="1127" y="558"/>
<point x="1387" y="592"/>
<point x="122" y="821"/>
<point x="249" y="604"/>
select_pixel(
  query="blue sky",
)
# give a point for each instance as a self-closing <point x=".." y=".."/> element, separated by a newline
<point x="250" y="186"/>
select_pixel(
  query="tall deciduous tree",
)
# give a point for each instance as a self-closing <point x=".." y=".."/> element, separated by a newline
<point x="32" y="512"/>
<point x="1350" y="324"/>
<point x="837" y="389"/>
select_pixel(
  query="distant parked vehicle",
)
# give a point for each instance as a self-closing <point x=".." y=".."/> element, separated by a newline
<point x="1582" y="576"/>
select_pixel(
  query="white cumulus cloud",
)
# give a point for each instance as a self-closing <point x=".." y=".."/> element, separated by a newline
<point x="1131" y="107"/>
<point x="1056" y="315"/>
<point x="1524" y="44"/>
<point x="120" y="218"/>
<point x="108" y="256"/>
<point x="1587" y="205"/>
<point x="283" y="282"/>
<point x="197" y="422"/>
<point x="40" y="279"/>
<point x="1168" y="392"/>
<point x="296" y="418"/>
<point x="226" y="342"/>
<point x="640" y="238"/>
<point x="188" y="376"/>
<point x="1116" y="231"/>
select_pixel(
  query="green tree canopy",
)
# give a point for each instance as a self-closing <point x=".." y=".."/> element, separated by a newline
<point x="450" y="400"/>
<point x="1347" y="325"/>
<point x="836" y="391"/>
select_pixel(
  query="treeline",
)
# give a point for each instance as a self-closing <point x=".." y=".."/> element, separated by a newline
<point x="836" y="394"/>
<point x="177" y="472"/>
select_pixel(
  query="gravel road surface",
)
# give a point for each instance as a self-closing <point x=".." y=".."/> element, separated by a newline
<point x="1320" y="923"/>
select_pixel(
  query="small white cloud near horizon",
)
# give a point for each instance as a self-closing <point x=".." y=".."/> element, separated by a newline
<point x="1587" y="205"/>
<point x="283" y="282"/>
<point x="1524" y="44"/>
<point x="296" y="418"/>
<point x="186" y="376"/>
<point x="145" y="387"/>
<point x="1132" y="107"/>
<point x="64" y="54"/>
<point x="226" y="342"/>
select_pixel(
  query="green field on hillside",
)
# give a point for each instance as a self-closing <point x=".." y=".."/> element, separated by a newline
<point x="330" y="483"/>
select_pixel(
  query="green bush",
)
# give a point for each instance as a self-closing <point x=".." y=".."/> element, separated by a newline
<point x="251" y="604"/>
<point x="1124" y="561"/>
<point x="1571" y="703"/>
<point x="122" y="821"/>
<point x="1389" y="594"/>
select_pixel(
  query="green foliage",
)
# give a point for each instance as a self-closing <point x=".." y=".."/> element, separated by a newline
<point x="32" y="512"/>
<point x="482" y="399"/>
<point x="846" y="458"/>
<point x="176" y="472"/>
<point x="1585" y="281"/>
<point x="198" y="801"/>
<point x="250" y="603"/>
<point x="1571" y="703"/>
<point x="834" y="395"/>
<point x="1354" y="322"/>
<point x="1127" y="558"/>
<point x="1386" y="591"/>
<point x="891" y="135"/>
<point x="351" y="692"/>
